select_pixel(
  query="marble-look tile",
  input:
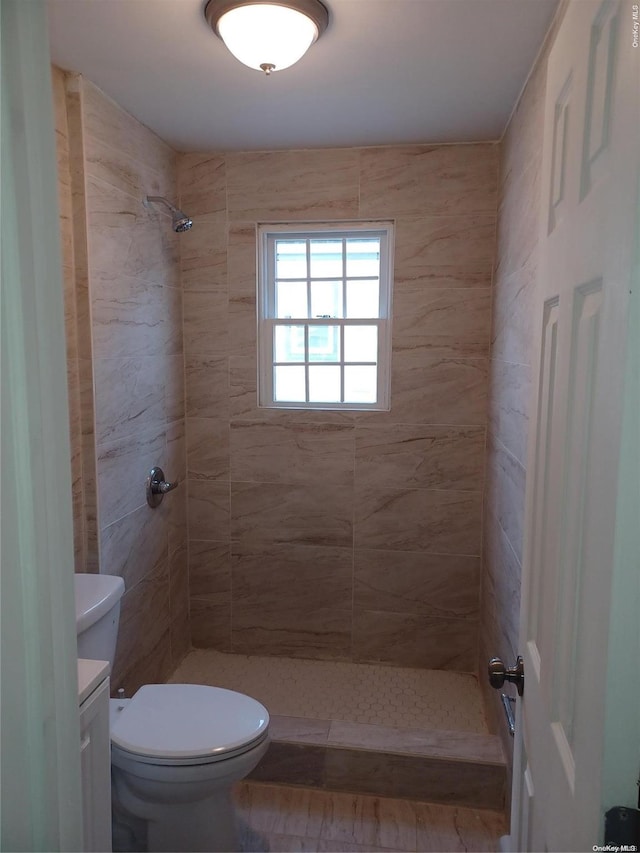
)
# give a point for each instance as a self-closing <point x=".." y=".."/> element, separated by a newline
<point x="437" y="522"/>
<point x="122" y="468"/>
<point x="443" y="322"/>
<point x="205" y="323"/>
<point x="127" y="239"/>
<point x="428" y="389"/>
<point x="210" y="624"/>
<point x="151" y="666"/>
<point x="174" y="460"/>
<point x="429" y="179"/>
<point x="444" y="251"/>
<point x="271" y="513"/>
<point x="433" y="780"/>
<point x="411" y="640"/>
<point x="465" y="746"/>
<point x="292" y="764"/>
<point x="514" y="313"/>
<point x="174" y="390"/>
<point x="202" y="181"/>
<point x="502" y="575"/>
<point x="105" y="120"/>
<point x="292" y="453"/>
<point x="179" y="627"/>
<point x="256" y="842"/>
<point x="180" y="639"/>
<point x="144" y="622"/>
<point x="203" y="253"/>
<point x="299" y="729"/>
<point x="423" y="584"/>
<point x="210" y="571"/>
<point x="281" y="184"/>
<point x="509" y="400"/>
<point x="207" y="449"/>
<point x="116" y="167"/>
<point x="506" y="482"/>
<point x="242" y="326"/>
<point x="379" y="822"/>
<point x="129" y="396"/>
<point x="420" y="456"/>
<point x="280" y="809"/>
<point x="207" y="386"/>
<point x="458" y="830"/>
<point x="241" y="259"/>
<point x="522" y="141"/>
<point x="291" y="599"/>
<point x="209" y="510"/>
<point x="518" y="220"/>
<point x="135" y="546"/>
<point x="129" y="318"/>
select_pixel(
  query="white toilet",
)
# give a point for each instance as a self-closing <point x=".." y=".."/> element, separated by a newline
<point x="176" y="749"/>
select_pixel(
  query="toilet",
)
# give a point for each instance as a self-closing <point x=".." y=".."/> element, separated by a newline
<point x="176" y="749"/>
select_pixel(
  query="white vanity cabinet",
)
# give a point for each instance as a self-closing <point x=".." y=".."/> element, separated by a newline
<point x="93" y="697"/>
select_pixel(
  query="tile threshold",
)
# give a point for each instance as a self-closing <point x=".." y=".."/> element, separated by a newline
<point x="342" y="734"/>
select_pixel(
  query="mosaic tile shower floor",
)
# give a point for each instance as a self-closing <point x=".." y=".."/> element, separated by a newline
<point x="336" y="690"/>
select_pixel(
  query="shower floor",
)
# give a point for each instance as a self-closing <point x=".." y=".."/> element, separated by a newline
<point x="351" y="692"/>
<point x="364" y="728"/>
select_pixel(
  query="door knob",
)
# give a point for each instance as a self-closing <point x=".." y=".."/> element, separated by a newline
<point x="157" y="487"/>
<point x="499" y="673"/>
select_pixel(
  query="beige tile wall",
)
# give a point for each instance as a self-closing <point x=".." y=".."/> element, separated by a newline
<point x="134" y="371"/>
<point x="340" y="535"/>
<point x="510" y="380"/>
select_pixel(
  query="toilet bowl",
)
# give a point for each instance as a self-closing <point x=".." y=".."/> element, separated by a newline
<point x="176" y="749"/>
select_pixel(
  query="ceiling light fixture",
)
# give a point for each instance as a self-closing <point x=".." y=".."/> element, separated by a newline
<point x="267" y="35"/>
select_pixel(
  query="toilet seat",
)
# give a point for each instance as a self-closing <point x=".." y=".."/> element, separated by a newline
<point x="187" y="724"/>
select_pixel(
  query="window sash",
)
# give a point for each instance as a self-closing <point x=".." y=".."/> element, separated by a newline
<point x="268" y="321"/>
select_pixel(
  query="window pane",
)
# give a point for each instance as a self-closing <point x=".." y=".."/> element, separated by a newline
<point x="361" y="343"/>
<point x="360" y="384"/>
<point x="288" y="384"/>
<point x="291" y="299"/>
<point x="363" y="257"/>
<point x="289" y="343"/>
<point x="363" y="298"/>
<point x="326" y="299"/>
<point x="324" y="384"/>
<point x="326" y="258"/>
<point x="291" y="259"/>
<point x="324" y="343"/>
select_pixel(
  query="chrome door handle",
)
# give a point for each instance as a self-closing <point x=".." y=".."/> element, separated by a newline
<point x="157" y="487"/>
<point x="499" y="673"/>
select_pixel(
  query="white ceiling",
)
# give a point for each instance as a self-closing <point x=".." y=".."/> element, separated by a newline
<point x="384" y="72"/>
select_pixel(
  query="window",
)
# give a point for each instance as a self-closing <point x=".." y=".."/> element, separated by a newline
<point x="324" y="315"/>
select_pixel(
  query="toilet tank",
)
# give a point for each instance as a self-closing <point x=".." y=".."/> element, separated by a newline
<point x="97" y="615"/>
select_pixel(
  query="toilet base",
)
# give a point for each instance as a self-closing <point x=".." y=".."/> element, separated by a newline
<point x="204" y="825"/>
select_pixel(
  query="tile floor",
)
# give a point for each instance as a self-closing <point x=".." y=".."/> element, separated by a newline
<point x="336" y="690"/>
<point x="282" y="819"/>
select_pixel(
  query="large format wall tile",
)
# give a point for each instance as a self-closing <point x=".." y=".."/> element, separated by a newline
<point x="424" y="584"/>
<point x="293" y="184"/>
<point x="418" y="468"/>
<point x="292" y="453"/>
<point x="273" y="513"/>
<point x="411" y="640"/>
<point x="426" y="457"/>
<point x="437" y="522"/>
<point x="435" y="180"/>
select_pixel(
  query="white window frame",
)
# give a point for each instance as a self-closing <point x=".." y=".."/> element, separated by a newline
<point x="266" y="309"/>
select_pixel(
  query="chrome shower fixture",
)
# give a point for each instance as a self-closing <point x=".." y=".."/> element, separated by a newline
<point x="179" y="220"/>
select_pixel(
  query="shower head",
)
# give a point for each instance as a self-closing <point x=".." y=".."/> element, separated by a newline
<point x="179" y="220"/>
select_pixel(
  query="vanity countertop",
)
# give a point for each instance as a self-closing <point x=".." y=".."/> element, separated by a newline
<point x="90" y="674"/>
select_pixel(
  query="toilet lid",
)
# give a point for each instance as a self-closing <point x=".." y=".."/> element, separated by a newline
<point x="182" y="721"/>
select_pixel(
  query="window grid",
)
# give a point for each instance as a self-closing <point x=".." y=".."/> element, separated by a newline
<point x="270" y="297"/>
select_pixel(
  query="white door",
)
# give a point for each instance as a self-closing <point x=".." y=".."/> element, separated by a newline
<point x="582" y="544"/>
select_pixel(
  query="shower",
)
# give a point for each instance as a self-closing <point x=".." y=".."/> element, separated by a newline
<point x="180" y="221"/>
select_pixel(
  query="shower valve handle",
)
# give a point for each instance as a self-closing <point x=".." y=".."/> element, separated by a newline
<point x="157" y="487"/>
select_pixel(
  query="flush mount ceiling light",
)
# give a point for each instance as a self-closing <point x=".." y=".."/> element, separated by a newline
<point x="267" y="35"/>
